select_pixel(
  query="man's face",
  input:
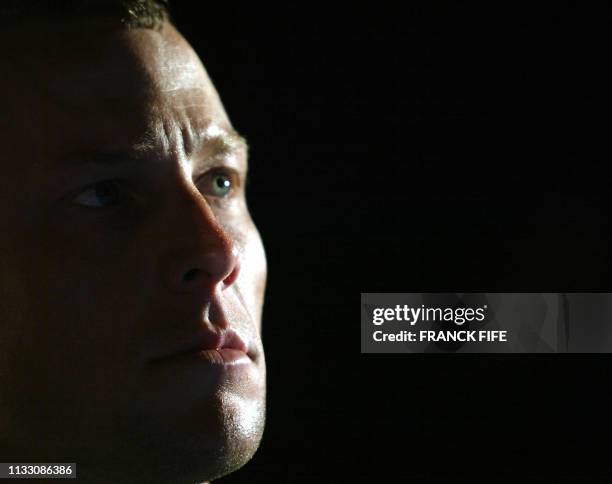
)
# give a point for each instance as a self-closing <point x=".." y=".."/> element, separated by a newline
<point x="126" y="247"/>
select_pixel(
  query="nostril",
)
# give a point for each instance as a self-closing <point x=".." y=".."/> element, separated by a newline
<point x="231" y="278"/>
<point x="190" y="275"/>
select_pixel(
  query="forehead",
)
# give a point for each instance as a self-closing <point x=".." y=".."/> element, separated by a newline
<point x="99" y="83"/>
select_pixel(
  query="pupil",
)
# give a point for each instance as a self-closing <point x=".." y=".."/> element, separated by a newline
<point x="105" y="193"/>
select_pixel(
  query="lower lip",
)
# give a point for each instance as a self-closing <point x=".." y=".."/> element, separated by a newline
<point x="205" y="372"/>
<point x="223" y="357"/>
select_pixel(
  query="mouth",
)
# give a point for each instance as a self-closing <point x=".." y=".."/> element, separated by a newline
<point x="225" y="347"/>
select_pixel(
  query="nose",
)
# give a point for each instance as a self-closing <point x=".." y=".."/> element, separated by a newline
<point x="203" y="256"/>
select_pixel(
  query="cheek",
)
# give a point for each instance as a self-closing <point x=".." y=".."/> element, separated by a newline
<point x="80" y="304"/>
<point x="253" y="272"/>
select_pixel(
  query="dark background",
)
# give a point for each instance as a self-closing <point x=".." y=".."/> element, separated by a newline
<point x="421" y="148"/>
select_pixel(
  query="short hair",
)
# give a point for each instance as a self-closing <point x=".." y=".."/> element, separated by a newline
<point x="131" y="13"/>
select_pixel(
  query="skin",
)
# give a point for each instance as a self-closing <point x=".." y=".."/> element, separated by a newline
<point x="106" y="266"/>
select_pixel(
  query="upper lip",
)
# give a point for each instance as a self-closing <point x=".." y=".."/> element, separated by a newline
<point x="210" y="340"/>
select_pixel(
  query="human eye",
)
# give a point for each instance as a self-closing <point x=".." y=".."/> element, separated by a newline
<point x="219" y="183"/>
<point x="102" y="194"/>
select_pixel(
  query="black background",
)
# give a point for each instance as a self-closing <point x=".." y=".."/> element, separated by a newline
<point x="443" y="148"/>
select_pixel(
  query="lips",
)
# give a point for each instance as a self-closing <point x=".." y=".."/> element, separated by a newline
<point x="221" y="347"/>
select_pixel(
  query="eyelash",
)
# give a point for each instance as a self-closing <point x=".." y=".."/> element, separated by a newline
<point x="116" y="184"/>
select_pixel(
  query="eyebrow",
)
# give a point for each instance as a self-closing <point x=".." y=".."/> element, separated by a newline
<point x="221" y="142"/>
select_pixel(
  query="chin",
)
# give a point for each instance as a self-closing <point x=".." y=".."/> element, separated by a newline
<point x="239" y="430"/>
<point x="207" y="442"/>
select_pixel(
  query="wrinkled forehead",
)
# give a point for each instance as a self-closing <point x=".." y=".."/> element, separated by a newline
<point x="99" y="73"/>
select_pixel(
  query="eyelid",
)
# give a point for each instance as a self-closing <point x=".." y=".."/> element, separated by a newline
<point x="116" y="184"/>
<point x="220" y="170"/>
<point x="129" y="194"/>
